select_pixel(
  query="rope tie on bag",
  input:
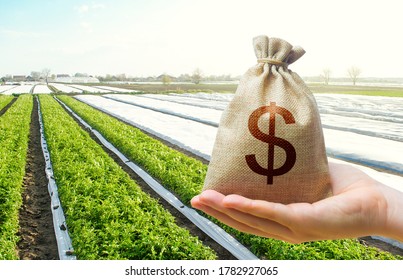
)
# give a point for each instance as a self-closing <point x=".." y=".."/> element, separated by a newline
<point x="272" y="62"/>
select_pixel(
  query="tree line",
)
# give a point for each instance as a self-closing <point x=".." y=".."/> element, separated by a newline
<point x="353" y="72"/>
<point x="196" y="77"/>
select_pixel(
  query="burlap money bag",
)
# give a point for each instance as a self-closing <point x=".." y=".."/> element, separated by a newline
<point x="269" y="144"/>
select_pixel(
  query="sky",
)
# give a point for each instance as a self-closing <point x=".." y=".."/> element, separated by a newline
<point x="149" y="37"/>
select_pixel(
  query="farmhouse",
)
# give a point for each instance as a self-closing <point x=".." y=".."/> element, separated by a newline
<point x="65" y="78"/>
<point x="19" y="78"/>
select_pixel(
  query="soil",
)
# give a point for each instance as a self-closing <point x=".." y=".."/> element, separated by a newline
<point x="37" y="237"/>
<point x="381" y="245"/>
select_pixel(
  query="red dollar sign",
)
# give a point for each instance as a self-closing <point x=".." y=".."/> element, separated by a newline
<point x="272" y="141"/>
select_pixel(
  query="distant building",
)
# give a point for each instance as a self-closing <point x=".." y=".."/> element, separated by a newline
<point x="19" y="78"/>
<point x="65" y="78"/>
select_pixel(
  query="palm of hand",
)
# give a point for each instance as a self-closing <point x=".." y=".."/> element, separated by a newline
<point x="356" y="208"/>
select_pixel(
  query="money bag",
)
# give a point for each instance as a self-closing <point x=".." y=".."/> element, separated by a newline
<point x="269" y="144"/>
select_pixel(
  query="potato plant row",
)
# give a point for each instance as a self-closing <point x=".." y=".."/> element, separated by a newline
<point x="14" y="135"/>
<point x="4" y="100"/>
<point x="107" y="214"/>
<point x="184" y="176"/>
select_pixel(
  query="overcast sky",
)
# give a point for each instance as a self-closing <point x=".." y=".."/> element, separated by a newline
<point x="150" y="37"/>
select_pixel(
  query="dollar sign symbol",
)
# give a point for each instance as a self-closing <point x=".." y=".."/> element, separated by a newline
<point x="272" y="141"/>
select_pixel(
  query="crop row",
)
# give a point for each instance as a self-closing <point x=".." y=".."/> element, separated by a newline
<point x="4" y="100"/>
<point x="14" y="135"/>
<point x="184" y="176"/>
<point x="107" y="214"/>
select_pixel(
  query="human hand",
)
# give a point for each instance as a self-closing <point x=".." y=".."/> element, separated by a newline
<point x="360" y="206"/>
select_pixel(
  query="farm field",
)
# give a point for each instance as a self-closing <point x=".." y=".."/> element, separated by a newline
<point x="348" y="141"/>
<point x="354" y="126"/>
<point x="117" y="135"/>
<point x="42" y="88"/>
<point x="110" y="215"/>
<point x="375" y="89"/>
<point x="65" y="88"/>
<point x="16" y="89"/>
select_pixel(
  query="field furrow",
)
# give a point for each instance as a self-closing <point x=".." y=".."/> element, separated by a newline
<point x="107" y="214"/>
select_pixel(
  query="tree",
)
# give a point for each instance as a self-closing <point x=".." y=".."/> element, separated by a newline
<point x="6" y="78"/>
<point x="35" y="75"/>
<point x="197" y="76"/>
<point x="80" y="75"/>
<point x="325" y="75"/>
<point x="166" y="79"/>
<point x="45" y="74"/>
<point x="184" y="78"/>
<point x="121" y="77"/>
<point x="353" y="73"/>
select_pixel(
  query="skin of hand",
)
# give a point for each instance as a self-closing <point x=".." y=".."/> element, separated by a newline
<point x="360" y="206"/>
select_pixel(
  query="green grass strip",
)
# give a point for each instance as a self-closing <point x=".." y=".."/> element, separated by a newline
<point x="107" y="214"/>
<point x="357" y="90"/>
<point x="4" y="100"/>
<point x="184" y="176"/>
<point x="14" y="135"/>
<point x="374" y="93"/>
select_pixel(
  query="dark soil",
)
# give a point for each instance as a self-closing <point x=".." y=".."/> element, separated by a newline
<point x="37" y="237"/>
<point x="381" y="245"/>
